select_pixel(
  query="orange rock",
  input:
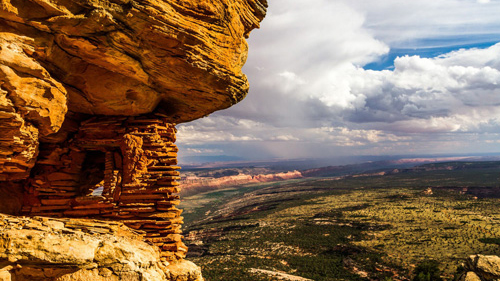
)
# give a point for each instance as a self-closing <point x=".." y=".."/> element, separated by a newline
<point x="61" y="176"/>
<point x="134" y="160"/>
<point x="32" y="105"/>
<point x="128" y="59"/>
<point x="95" y="88"/>
<point x="182" y="59"/>
<point x="55" y="201"/>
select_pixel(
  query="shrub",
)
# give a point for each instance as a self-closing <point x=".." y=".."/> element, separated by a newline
<point x="427" y="270"/>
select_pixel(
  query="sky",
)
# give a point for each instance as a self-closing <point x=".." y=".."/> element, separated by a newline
<point x="333" y="78"/>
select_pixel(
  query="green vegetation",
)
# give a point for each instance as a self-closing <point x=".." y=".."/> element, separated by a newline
<point x="427" y="270"/>
<point x="358" y="228"/>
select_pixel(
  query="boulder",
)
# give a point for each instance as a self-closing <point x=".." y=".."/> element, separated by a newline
<point x="79" y="250"/>
<point x="482" y="267"/>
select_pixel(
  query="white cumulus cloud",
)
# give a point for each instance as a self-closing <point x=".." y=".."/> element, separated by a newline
<point x="310" y="95"/>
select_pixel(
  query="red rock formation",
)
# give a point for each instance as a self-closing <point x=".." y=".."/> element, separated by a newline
<point x="90" y="92"/>
<point x="38" y="249"/>
<point x="114" y="168"/>
<point x="194" y="184"/>
<point x="180" y="58"/>
<point x="32" y="105"/>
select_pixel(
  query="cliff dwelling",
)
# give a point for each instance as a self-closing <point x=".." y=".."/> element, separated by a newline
<point x="89" y="96"/>
<point x="114" y="168"/>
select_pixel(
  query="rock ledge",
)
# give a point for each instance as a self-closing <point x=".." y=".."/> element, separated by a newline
<point x="77" y="250"/>
<point x="481" y="268"/>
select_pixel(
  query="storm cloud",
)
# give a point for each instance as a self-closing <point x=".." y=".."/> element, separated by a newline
<point x="312" y="95"/>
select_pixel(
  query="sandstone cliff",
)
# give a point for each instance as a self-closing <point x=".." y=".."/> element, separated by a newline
<point x="121" y="57"/>
<point x="481" y="268"/>
<point x="90" y="91"/>
<point x="71" y="249"/>
<point x="194" y="184"/>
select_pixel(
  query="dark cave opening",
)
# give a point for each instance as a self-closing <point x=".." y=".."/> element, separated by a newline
<point x="92" y="173"/>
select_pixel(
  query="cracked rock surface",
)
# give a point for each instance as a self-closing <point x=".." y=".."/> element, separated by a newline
<point x="76" y="249"/>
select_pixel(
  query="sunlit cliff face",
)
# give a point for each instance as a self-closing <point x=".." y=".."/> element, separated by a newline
<point x="90" y="92"/>
<point x="69" y="60"/>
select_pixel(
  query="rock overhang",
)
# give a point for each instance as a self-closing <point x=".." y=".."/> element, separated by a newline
<point x="64" y="61"/>
<point x="182" y="58"/>
<point x="90" y="91"/>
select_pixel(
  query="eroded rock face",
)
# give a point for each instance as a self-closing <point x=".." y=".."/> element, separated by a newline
<point x="127" y="57"/>
<point x="194" y="184"/>
<point x="32" y="105"/>
<point x="115" y="168"/>
<point x="81" y="250"/>
<point x="115" y="57"/>
<point x="64" y="63"/>
<point x="481" y="267"/>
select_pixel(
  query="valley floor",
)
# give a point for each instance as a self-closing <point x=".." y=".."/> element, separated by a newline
<point x="355" y="228"/>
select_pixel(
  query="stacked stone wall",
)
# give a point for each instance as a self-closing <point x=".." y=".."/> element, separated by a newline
<point x="114" y="168"/>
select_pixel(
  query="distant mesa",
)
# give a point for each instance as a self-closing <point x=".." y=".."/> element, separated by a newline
<point x="194" y="184"/>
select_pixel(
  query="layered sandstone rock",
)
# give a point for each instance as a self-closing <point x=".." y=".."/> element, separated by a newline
<point x="72" y="249"/>
<point x="194" y="184"/>
<point x="481" y="268"/>
<point x="125" y="57"/>
<point x="116" y="57"/>
<point x="90" y="91"/>
<point x="32" y="105"/>
<point x="117" y="168"/>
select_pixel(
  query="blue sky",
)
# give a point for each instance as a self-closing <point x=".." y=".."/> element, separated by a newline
<point x="431" y="51"/>
<point x="389" y="77"/>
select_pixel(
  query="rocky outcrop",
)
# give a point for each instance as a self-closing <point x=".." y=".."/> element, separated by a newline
<point x="117" y="57"/>
<point x="117" y="168"/>
<point x="195" y="184"/>
<point x="481" y="268"/>
<point x="90" y="91"/>
<point x="125" y="57"/>
<point x="73" y="249"/>
<point x="32" y="104"/>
